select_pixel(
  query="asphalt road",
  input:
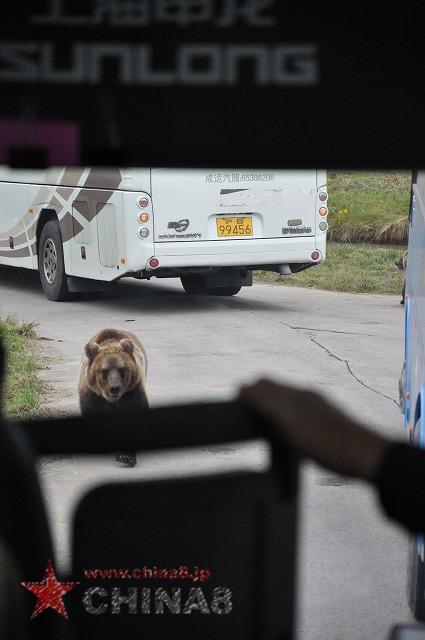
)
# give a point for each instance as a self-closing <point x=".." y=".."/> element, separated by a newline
<point x="352" y="561"/>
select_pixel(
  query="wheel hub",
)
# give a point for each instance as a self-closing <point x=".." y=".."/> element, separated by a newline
<point x="50" y="261"/>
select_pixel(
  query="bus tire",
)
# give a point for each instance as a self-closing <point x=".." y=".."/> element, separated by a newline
<point x="416" y="582"/>
<point x="195" y="284"/>
<point x="51" y="264"/>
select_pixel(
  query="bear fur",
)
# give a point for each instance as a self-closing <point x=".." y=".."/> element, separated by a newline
<point x="113" y="373"/>
<point x="113" y="377"/>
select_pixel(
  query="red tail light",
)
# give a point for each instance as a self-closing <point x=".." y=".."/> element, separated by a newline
<point x="153" y="263"/>
<point x="143" y="202"/>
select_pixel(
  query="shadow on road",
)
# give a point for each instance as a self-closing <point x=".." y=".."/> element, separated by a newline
<point x="24" y="280"/>
<point x="134" y="296"/>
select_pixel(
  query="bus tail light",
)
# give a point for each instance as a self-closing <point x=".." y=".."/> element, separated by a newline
<point x="143" y="217"/>
<point x="143" y="202"/>
<point x="153" y="263"/>
<point x="315" y="255"/>
<point x="323" y="211"/>
<point x="323" y="196"/>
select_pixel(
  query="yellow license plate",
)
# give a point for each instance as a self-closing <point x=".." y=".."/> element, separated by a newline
<point x="235" y="226"/>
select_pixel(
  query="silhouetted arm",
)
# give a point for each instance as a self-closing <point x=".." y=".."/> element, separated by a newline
<point x="316" y="429"/>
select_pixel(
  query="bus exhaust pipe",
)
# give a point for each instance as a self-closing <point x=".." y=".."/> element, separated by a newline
<point x="284" y="269"/>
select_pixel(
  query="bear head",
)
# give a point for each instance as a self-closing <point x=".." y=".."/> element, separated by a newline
<point x="112" y="369"/>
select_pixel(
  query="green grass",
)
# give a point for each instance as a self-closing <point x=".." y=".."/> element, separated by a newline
<point x="22" y="388"/>
<point x="355" y="268"/>
<point x="368" y="207"/>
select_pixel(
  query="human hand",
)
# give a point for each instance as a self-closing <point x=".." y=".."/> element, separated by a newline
<point x="317" y="429"/>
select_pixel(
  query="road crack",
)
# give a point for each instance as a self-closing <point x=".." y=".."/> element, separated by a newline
<point x="294" y="327"/>
<point x="328" y="351"/>
<point x="351" y="372"/>
<point x="345" y="333"/>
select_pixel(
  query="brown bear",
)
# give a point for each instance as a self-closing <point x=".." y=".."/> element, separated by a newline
<point x="113" y="377"/>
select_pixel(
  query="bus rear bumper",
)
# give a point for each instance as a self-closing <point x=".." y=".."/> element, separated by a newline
<point x="229" y="253"/>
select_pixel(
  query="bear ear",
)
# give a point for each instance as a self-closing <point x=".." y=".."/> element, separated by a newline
<point x="91" y="349"/>
<point x="126" y="345"/>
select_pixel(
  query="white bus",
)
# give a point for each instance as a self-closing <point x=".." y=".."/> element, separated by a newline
<point x="83" y="228"/>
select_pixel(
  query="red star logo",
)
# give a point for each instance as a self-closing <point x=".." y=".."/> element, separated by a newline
<point x="49" y="592"/>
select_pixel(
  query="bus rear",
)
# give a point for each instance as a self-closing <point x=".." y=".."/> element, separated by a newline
<point x="216" y="225"/>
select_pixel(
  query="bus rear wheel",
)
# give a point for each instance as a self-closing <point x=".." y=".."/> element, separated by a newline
<point x="195" y="284"/>
<point x="51" y="264"/>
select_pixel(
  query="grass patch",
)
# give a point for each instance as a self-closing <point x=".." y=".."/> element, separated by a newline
<point x="22" y="388"/>
<point x="369" y="207"/>
<point x="354" y="268"/>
